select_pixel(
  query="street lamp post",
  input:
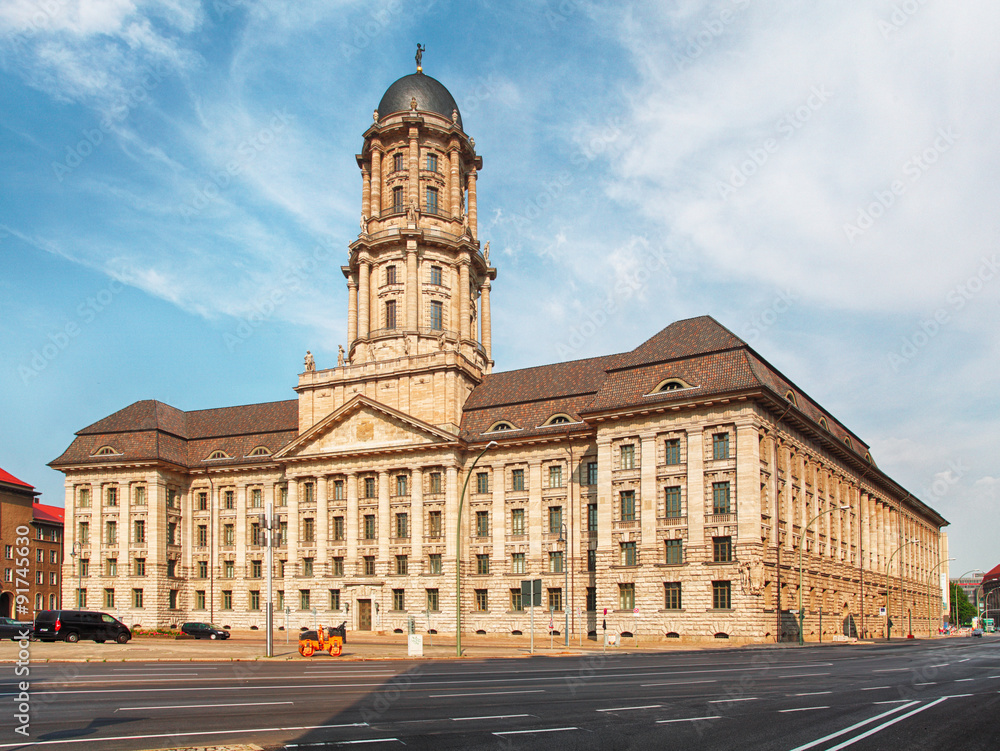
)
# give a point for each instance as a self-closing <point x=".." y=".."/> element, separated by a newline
<point x="77" y="554"/>
<point x="930" y="576"/>
<point x="564" y="537"/>
<point x="888" y="568"/>
<point x="801" y="543"/>
<point x="957" y="578"/>
<point x="458" y="553"/>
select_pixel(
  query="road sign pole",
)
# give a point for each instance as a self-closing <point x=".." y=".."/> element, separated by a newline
<point x="532" y="608"/>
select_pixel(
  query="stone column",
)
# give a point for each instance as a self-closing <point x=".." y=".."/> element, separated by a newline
<point x="322" y="525"/>
<point x="292" y="547"/>
<point x="384" y="523"/>
<point x="451" y="522"/>
<point x="696" y="498"/>
<point x="487" y="335"/>
<point x="464" y="312"/>
<point x="537" y="518"/>
<point x="376" y="179"/>
<point x="364" y="297"/>
<point x="412" y="286"/>
<point x="454" y="182"/>
<point x="417" y="517"/>
<point x="472" y="204"/>
<point x="748" y="510"/>
<point x="351" y="523"/>
<point x="649" y="551"/>
<point x="352" y="312"/>
<point x="242" y="543"/>
<point x="497" y="521"/>
<point x="413" y="187"/>
<point x="366" y="193"/>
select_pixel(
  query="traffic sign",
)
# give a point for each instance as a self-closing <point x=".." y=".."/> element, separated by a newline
<point x="531" y="592"/>
<point x="636" y="611"/>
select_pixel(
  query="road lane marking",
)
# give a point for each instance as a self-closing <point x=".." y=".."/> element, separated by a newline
<point x="89" y="740"/>
<point x="892" y="670"/>
<point x="811" y="693"/>
<point x="802" y="709"/>
<point x="891" y="701"/>
<point x="929" y="683"/>
<point x="825" y="738"/>
<point x="488" y="717"/>
<point x="956" y="696"/>
<point x="727" y="701"/>
<point x="942" y="665"/>
<point x="201" y="706"/>
<point x="488" y="693"/>
<point x="628" y="709"/>
<point x="963" y="680"/>
<point x="883" y="726"/>
<point x="689" y="719"/>
<point x="369" y="740"/>
<point x="540" y="730"/>
<point x="675" y="683"/>
<point x="802" y="675"/>
<point x="874" y="688"/>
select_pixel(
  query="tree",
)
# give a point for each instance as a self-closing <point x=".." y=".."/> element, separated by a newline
<point x="966" y="610"/>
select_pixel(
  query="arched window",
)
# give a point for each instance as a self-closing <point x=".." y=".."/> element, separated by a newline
<point x="823" y="423"/>
<point x="790" y="396"/>
<point x="218" y="454"/>
<point x="105" y="451"/>
<point x="261" y="451"/>
<point x="671" y="384"/>
<point x="558" y="419"/>
<point x="500" y="426"/>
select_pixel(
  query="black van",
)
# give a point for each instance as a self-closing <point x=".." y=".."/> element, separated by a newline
<point x="73" y="625"/>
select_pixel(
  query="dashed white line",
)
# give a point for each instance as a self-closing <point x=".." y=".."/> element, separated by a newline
<point x="802" y="709"/>
<point x="539" y="730"/>
<point x="928" y="683"/>
<point x="675" y="683"/>
<point x="942" y="665"/>
<point x="488" y="717"/>
<point x="891" y="670"/>
<point x="369" y="740"/>
<point x="203" y="706"/>
<point x="802" y="675"/>
<point x="628" y="709"/>
<point x="689" y="719"/>
<point x="811" y="693"/>
<point x="727" y="701"/>
<point x="874" y="688"/>
<point x="489" y="693"/>
<point x="891" y="701"/>
<point x="964" y="680"/>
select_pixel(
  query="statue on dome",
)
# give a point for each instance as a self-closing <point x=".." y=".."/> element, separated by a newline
<point x="411" y="212"/>
<point x="310" y="362"/>
<point x="340" y="355"/>
<point x="375" y="115"/>
<point x="420" y="57"/>
<point x="413" y="103"/>
<point x="486" y="252"/>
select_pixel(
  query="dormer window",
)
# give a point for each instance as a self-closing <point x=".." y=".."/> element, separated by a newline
<point x="823" y="423"/>
<point x="499" y="426"/>
<point x="559" y="419"/>
<point x="261" y="451"/>
<point x="790" y="397"/>
<point x="106" y="451"/>
<point x="218" y="454"/>
<point x="671" y="384"/>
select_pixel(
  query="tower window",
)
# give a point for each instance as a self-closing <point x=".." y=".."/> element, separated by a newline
<point x="397" y="199"/>
<point x="397" y="161"/>
<point x="432" y="200"/>
<point x="432" y="163"/>
<point x="436" y="275"/>
<point x="437" y="315"/>
<point x="390" y="314"/>
<point x="390" y="274"/>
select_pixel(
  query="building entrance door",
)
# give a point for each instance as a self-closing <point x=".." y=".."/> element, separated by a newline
<point x="364" y="615"/>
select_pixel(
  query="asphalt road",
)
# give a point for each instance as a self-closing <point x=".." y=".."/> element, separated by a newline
<point x="930" y="695"/>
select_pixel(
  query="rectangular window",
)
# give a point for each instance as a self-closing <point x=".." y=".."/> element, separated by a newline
<point x="628" y="505"/>
<point x="482" y="563"/>
<point x="555" y="599"/>
<point x="482" y="600"/>
<point x="517" y="563"/>
<point x="202" y="501"/>
<point x="84" y="498"/>
<point x="673" y="451"/>
<point x="555" y="476"/>
<point x="402" y="565"/>
<point x="256" y="498"/>
<point x="111" y="533"/>
<point x="229" y="500"/>
<point x="390" y="314"/>
<point x="171" y="601"/>
<point x="339" y="528"/>
<point x="555" y="561"/>
<point x="482" y="482"/>
<point x="482" y="523"/>
<point x="40" y="554"/>
<point x="81" y="598"/>
<point x="432" y="600"/>
<point x="432" y="200"/>
<point x="672" y="501"/>
<point x="334" y="599"/>
<point x="256" y="538"/>
<point x="304" y="598"/>
<point x="516" y="603"/>
<point x="202" y="535"/>
<point x="83" y="533"/>
<point x="308" y="530"/>
<point x="517" y="521"/>
<point x="229" y="569"/>
<point x="591" y="517"/>
<point x="591" y="559"/>
<point x="517" y="479"/>
<point x="139" y="495"/>
<point x="628" y="456"/>
<point x="390" y="274"/>
<point x="202" y="569"/>
<point x="136" y="598"/>
<point x="591" y="473"/>
<point x="109" y="598"/>
<point x="432" y="163"/>
<point x="338" y="565"/>
<point x="722" y="549"/>
<point x="171" y="567"/>
<point x="228" y="534"/>
<point x="140" y="567"/>
<point x="399" y="599"/>
<point x="591" y="599"/>
<point x="254" y="599"/>
<point x="369" y="487"/>
<point x="674" y="552"/>
<point x="434" y="482"/>
<point x="555" y="519"/>
<point x="720" y="498"/>
<point x="672" y="595"/>
<point x="369" y="526"/>
<point x="437" y="315"/>
<point x="369" y="564"/>
<point x="54" y="556"/>
<point x="227" y="599"/>
<point x="434" y="524"/>
<point x="112" y="495"/>
<point x="308" y="493"/>
<point x="722" y="595"/>
<point x="403" y="525"/>
<point x="307" y="566"/>
<point x="8" y="574"/>
<point x="282" y="533"/>
<point x="397" y="161"/>
<point x="436" y="277"/>
<point x="401" y="485"/>
<point x="282" y="495"/>
<point x="720" y="446"/>
<point x="397" y="200"/>
<point x="626" y="596"/>
<point x="630" y="556"/>
<point x="256" y="569"/>
<point x="280" y="604"/>
<point x="338" y="490"/>
<point x="434" y="563"/>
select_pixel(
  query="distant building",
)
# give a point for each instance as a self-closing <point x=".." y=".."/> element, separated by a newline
<point x="31" y="541"/>
<point x="990" y="594"/>
<point x="671" y="485"/>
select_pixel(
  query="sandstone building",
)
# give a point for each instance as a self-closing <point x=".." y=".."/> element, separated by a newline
<point x="671" y="485"/>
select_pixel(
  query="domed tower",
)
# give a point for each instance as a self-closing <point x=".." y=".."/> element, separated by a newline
<point x="418" y="322"/>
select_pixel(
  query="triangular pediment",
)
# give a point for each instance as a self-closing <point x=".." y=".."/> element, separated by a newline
<point x="363" y="425"/>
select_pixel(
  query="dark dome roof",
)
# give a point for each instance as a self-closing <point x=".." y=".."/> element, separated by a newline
<point x="430" y="93"/>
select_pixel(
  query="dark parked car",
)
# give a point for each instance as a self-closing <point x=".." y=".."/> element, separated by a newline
<point x="73" y="625"/>
<point x="15" y="630"/>
<point x="204" y="631"/>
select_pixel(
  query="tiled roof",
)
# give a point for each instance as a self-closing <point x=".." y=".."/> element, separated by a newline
<point x="8" y="478"/>
<point x="687" y="338"/>
<point x="154" y="430"/>
<point x="992" y="574"/>
<point x="48" y="514"/>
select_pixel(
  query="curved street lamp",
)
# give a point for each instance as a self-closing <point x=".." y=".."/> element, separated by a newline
<point x="564" y="538"/>
<point x="76" y="552"/>
<point x="458" y="553"/>
<point x="930" y="575"/>
<point x="888" y="568"/>
<point x="802" y="541"/>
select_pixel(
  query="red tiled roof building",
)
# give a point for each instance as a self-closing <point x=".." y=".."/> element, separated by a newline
<point x="672" y="484"/>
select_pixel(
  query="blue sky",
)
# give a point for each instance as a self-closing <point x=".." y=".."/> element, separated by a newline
<point x="820" y="178"/>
